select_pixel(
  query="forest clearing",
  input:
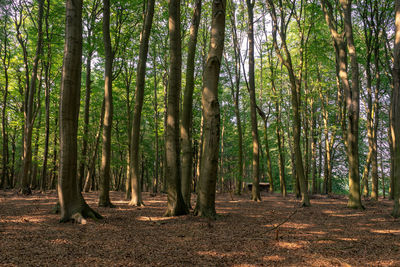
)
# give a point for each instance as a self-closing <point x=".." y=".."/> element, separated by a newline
<point x="274" y="232"/>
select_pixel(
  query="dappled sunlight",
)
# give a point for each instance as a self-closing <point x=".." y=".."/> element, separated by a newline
<point x="290" y="245"/>
<point x="387" y="231"/>
<point x="274" y="258"/>
<point x="22" y="219"/>
<point x="153" y="219"/>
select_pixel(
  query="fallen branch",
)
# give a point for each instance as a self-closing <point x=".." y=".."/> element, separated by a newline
<point x="280" y="224"/>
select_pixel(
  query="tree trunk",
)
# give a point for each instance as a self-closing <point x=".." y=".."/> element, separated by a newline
<point x="351" y="94"/>
<point x="6" y="63"/>
<point x="205" y="205"/>
<point x="29" y="116"/>
<point x="72" y="205"/>
<point x="88" y="84"/>
<point x="186" y="127"/>
<point x="256" y="196"/>
<point x="395" y="109"/>
<point x="136" y="193"/>
<point x="156" y="145"/>
<point x="105" y="172"/>
<point x="47" y="71"/>
<point x="176" y="205"/>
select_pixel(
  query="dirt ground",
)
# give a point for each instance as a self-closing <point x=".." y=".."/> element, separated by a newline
<point x="274" y="232"/>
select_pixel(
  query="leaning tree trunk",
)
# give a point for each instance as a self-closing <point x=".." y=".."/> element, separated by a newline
<point x="72" y="205"/>
<point x="396" y="116"/>
<point x="205" y="205"/>
<point x="176" y="205"/>
<point x="134" y="177"/>
<point x="186" y="127"/>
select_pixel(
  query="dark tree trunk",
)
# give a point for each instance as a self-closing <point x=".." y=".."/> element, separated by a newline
<point x="176" y="205"/>
<point x="256" y="196"/>
<point x="72" y="205"/>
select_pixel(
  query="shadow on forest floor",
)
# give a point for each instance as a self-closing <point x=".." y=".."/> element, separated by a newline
<point x="245" y="234"/>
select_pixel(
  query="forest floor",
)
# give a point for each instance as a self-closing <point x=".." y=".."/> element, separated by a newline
<point x="274" y="232"/>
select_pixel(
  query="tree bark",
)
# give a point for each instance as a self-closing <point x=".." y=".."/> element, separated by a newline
<point x="351" y="94"/>
<point x="256" y="196"/>
<point x="176" y="205"/>
<point x="205" y="205"/>
<point x="136" y="193"/>
<point x="186" y="127"/>
<point x="5" y="58"/>
<point x="105" y="172"/>
<point x="395" y="109"/>
<point x="72" y="205"/>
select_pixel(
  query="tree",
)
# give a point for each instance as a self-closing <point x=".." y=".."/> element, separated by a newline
<point x="72" y="204"/>
<point x="104" y="195"/>
<point x="295" y="86"/>
<point x="29" y="111"/>
<point x="176" y="205"/>
<point x="395" y="109"/>
<point x="187" y="120"/>
<point x="351" y="92"/>
<point x="205" y="205"/>
<point x="136" y="193"/>
<point x="255" y="195"/>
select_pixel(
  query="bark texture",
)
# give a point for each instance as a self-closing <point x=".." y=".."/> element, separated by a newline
<point x="186" y="127"/>
<point x="176" y="205"/>
<point x="205" y="205"/>
<point x="72" y="205"/>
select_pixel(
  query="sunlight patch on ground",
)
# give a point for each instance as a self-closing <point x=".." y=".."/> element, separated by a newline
<point x="345" y="215"/>
<point x="289" y="245"/>
<point x="24" y="219"/>
<point x="296" y="225"/>
<point x="387" y="231"/>
<point x="317" y="232"/>
<point x="153" y="219"/>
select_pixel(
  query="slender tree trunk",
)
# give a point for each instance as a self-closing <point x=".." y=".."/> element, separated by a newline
<point x="105" y="172"/>
<point x="136" y="193"/>
<point x="351" y="94"/>
<point x="47" y="71"/>
<point x="395" y="109"/>
<point x="256" y="196"/>
<point x="156" y="145"/>
<point x="29" y="116"/>
<point x="5" y="155"/>
<point x="176" y="205"/>
<point x="205" y="205"/>
<point x="88" y="85"/>
<point x="72" y="205"/>
<point x="186" y="127"/>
